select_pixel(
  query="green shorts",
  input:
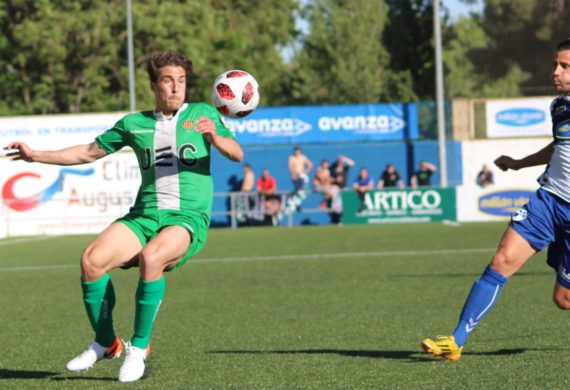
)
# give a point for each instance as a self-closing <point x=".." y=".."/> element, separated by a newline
<point x="147" y="226"/>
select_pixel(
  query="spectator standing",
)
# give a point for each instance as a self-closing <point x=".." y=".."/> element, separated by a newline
<point x="362" y="185"/>
<point x="339" y="170"/>
<point x="248" y="179"/>
<point x="390" y="178"/>
<point x="299" y="167"/>
<point x="485" y="177"/>
<point x="422" y="177"/>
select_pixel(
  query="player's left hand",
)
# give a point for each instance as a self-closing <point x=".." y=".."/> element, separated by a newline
<point x="504" y="163"/>
<point x="207" y="128"/>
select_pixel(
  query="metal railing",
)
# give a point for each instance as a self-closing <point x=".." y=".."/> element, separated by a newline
<point x="245" y="209"/>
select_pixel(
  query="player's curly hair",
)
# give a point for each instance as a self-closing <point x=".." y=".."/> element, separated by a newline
<point x="563" y="45"/>
<point x="167" y="58"/>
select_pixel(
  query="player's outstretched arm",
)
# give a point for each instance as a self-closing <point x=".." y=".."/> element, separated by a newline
<point x="227" y="146"/>
<point x="78" y="154"/>
<point x="539" y="158"/>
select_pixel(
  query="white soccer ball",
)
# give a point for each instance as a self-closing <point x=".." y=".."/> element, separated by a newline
<point x="235" y="93"/>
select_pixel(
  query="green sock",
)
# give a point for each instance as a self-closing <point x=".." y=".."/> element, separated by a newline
<point x="148" y="299"/>
<point x="99" y="299"/>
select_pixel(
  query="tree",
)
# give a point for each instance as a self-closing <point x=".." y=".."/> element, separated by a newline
<point x="463" y="78"/>
<point x="61" y="56"/>
<point x="409" y="40"/>
<point x="523" y="32"/>
<point x="342" y="59"/>
<point x="57" y="57"/>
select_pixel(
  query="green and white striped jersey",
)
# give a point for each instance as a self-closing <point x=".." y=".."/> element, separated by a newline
<point x="174" y="159"/>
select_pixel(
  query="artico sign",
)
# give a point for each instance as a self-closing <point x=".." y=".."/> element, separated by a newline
<point x="421" y="205"/>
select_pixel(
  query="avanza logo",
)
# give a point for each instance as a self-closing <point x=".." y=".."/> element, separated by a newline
<point x="30" y="202"/>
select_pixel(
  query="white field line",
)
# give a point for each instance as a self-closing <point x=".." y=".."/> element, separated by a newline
<point x="24" y="240"/>
<point x="314" y="256"/>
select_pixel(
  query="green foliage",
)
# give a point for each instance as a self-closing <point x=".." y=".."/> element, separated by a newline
<point x="57" y="61"/>
<point x="463" y="78"/>
<point x="342" y="59"/>
<point x="409" y="40"/>
<point x="61" y="56"/>
<point x="523" y="32"/>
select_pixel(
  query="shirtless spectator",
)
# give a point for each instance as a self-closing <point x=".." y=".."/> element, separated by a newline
<point x="322" y="182"/>
<point x="299" y="167"/>
<point x="248" y="179"/>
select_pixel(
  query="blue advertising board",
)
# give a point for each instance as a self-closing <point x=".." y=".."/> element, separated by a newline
<point x="334" y="123"/>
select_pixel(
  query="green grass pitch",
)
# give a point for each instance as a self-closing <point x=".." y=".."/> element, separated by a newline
<point x="300" y="308"/>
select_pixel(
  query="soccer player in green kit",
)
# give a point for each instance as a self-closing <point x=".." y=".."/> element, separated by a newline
<point x="168" y="222"/>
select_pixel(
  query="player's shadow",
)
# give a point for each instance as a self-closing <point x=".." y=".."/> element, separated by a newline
<point x="398" y="355"/>
<point x="462" y="275"/>
<point x="82" y="378"/>
<point x="410" y="356"/>
<point x="6" y="373"/>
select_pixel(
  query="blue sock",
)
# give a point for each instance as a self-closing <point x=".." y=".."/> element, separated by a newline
<point x="481" y="299"/>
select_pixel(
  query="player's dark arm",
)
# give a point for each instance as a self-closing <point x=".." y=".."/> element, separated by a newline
<point x="539" y="158"/>
<point x="74" y="155"/>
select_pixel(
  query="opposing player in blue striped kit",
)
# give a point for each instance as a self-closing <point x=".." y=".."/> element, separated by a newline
<point x="543" y="222"/>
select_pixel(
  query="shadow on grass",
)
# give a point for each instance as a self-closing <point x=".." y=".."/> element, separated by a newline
<point x="398" y="355"/>
<point x="25" y="374"/>
<point x="6" y="373"/>
<point x="414" y="356"/>
<point x="474" y="275"/>
<point x="82" y="378"/>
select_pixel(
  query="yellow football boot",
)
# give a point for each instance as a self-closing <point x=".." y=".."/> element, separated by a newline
<point x="443" y="346"/>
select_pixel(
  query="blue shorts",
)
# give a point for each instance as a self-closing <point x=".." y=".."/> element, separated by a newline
<point x="545" y="221"/>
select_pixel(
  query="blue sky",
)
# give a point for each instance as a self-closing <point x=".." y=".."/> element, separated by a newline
<point x="457" y="8"/>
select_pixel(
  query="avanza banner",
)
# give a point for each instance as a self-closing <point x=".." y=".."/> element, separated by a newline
<point x="396" y="206"/>
<point x="293" y="124"/>
<point x="335" y="123"/>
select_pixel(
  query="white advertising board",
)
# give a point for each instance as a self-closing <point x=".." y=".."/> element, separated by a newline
<point x="46" y="199"/>
<point x="56" y="131"/>
<point x="518" y="117"/>
<point x="510" y="190"/>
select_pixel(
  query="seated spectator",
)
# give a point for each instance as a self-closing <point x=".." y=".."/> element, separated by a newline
<point x="485" y="177"/>
<point x="322" y="182"/>
<point x="422" y="177"/>
<point x="339" y="170"/>
<point x="390" y="178"/>
<point x="267" y="188"/>
<point x="266" y="184"/>
<point x="362" y="185"/>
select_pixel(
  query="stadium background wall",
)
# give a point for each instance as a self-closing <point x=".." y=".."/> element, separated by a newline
<point x="373" y="155"/>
